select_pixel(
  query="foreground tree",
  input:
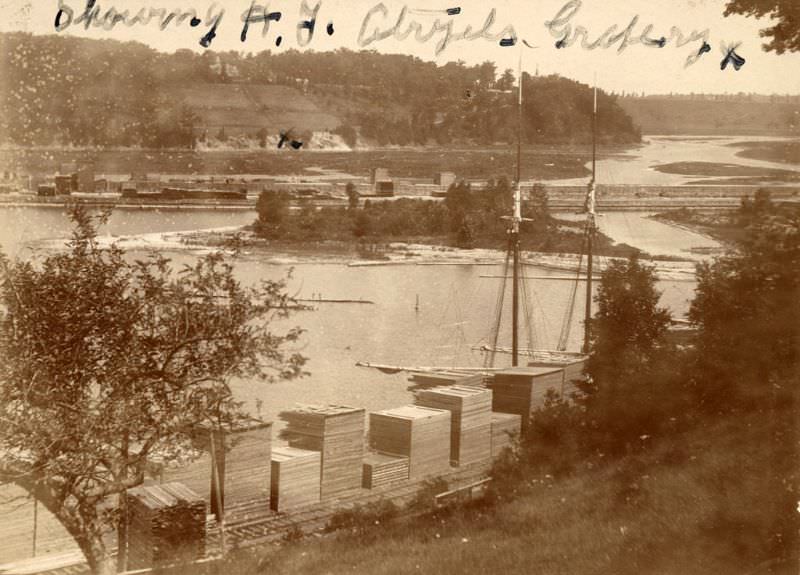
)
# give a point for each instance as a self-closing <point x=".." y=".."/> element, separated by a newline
<point x="785" y="16"/>
<point x="108" y="361"/>
<point x="747" y="314"/>
<point x="628" y="394"/>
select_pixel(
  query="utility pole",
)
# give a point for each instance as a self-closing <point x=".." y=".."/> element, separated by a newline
<point x="516" y="219"/>
<point x="590" y="228"/>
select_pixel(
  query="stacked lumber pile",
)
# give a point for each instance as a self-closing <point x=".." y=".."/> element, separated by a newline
<point x="439" y="378"/>
<point x="167" y="524"/>
<point x="247" y="463"/>
<point x="522" y="390"/>
<point x="572" y="370"/>
<point x="420" y="433"/>
<point x="193" y="470"/>
<point x="471" y="419"/>
<point x="381" y="469"/>
<point x="295" y="478"/>
<point x="505" y="426"/>
<point x="243" y="456"/>
<point x="337" y="432"/>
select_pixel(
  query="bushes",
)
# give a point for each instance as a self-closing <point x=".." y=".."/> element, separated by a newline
<point x="361" y="519"/>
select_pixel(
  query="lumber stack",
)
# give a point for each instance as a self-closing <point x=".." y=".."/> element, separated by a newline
<point x="522" y="390"/>
<point x="337" y="432"/>
<point x="167" y="524"/>
<point x="381" y="469"/>
<point x="247" y="463"/>
<point x="192" y="468"/>
<point x="471" y="419"/>
<point x="295" y="478"/>
<point x="420" y="433"/>
<point x="505" y="426"/>
<point x="572" y="371"/>
<point x="440" y="378"/>
<point x="243" y="457"/>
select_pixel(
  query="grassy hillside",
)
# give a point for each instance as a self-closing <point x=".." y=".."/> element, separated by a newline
<point x="243" y="109"/>
<point x="714" y="501"/>
<point x="664" y="115"/>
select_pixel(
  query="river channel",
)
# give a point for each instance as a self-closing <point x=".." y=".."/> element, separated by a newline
<point x="455" y="314"/>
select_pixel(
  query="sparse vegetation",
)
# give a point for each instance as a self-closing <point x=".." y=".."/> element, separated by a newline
<point x="467" y="218"/>
<point x="363" y="519"/>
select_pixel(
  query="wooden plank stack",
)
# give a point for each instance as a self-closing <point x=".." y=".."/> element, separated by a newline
<point x="167" y="524"/>
<point x="571" y="371"/>
<point x="295" y="478"/>
<point x="505" y="426"/>
<point x="337" y="432"/>
<point x="382" y="469"/>
<point x="420" y="433"/>
<point x="522" y="390"/>
<point x="244" y="464"/>
<point x="471" y="419"/>
<point x="194" y="471"/>
<point x="439" y="378"/>
<point x="247" y="463"/>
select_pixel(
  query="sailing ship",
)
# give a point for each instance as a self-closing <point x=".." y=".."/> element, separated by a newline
<point x="559" y="357"/>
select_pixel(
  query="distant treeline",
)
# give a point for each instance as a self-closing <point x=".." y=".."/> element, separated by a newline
<point x="66" y="90"/>
<point x="703" y="114"/>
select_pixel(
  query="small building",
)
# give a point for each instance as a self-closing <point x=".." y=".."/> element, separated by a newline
<point x="384" y="188"/>
<point x="379" y="175"/>
<point x="444" y="179"/>
<point x="45" y="190"/>
<point x="85" y="179"/>
<point x="65" y="185"/>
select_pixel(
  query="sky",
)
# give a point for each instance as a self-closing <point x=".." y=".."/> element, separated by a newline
<point x="536" y="25"/>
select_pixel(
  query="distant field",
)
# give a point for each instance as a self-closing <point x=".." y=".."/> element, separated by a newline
<point x="554" y="163"/>
<point x="787" y="152"/>
<point x="712" y="117"/>
<point x="713" y="169"/>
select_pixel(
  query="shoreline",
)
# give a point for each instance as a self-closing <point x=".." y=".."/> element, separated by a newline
<point x="209" y="240"/>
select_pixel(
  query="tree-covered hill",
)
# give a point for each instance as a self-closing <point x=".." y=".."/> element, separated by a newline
<point x="72" y="91"/>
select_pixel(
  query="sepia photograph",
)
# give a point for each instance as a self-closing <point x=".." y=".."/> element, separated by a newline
<point x="314" y="287"/>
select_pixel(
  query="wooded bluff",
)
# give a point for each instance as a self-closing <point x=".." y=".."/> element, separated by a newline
<point x="72" y="91"/>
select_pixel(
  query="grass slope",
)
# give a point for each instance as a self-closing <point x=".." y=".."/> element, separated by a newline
<point x="245" y="108"/>
<point x="715" y="501"/>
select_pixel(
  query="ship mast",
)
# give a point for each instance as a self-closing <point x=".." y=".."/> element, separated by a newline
<point x="516" y="219"/>
<point x="590" y="227"/>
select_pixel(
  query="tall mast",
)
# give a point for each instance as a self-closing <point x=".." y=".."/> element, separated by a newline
<point x="515" y="221"/>
<point x="590" y="223"/>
